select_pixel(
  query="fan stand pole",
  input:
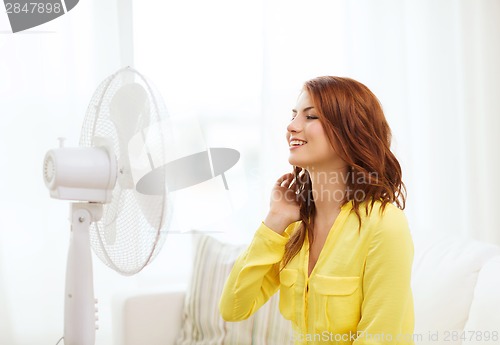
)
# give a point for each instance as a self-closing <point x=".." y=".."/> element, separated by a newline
<point x="80" y="311"/>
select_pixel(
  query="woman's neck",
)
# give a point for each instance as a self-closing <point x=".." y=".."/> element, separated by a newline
<point x="328" y="188"/>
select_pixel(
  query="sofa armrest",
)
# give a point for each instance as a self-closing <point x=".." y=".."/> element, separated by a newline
<point x="483" y="314"/>
<point x="147" y="318"/>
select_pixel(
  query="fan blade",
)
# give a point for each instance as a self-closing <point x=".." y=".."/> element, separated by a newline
<point x="111" y="215"/>
<point x="188" y="171"/>
<point x="126" y="108"/>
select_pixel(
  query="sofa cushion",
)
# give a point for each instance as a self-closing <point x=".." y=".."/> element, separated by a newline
<point x="202" y="323"/>
<point x="445" y="271"/>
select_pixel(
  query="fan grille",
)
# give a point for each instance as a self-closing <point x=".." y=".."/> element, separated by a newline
<point x="133" y="227"/>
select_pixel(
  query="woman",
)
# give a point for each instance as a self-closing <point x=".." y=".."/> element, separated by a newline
<point x="335" y="242"/>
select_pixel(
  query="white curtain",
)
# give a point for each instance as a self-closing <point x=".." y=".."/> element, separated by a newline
<point x="47" y="77"/>
<point x="433" y="64"/>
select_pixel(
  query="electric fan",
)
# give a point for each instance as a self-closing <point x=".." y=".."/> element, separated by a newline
<point x="119" y="211"/>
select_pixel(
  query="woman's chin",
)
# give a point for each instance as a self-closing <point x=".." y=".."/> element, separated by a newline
<point x="295" y="162"/>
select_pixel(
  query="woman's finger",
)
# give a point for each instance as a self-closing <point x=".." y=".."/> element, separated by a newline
<point x="284" y="179"/>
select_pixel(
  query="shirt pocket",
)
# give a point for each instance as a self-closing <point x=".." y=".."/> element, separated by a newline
<point x="288" y="278"/>
<point x="337" y="302"/>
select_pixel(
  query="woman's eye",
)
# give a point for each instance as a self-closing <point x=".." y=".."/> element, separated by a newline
<point x="308" y="117"/>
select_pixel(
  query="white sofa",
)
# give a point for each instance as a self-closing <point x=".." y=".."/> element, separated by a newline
<point x="456" y="288"/>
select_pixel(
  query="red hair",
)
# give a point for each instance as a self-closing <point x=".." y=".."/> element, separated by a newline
<point x="359" y="133"/>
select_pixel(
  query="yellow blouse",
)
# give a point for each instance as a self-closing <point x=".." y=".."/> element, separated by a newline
<point x="358" y="292"/>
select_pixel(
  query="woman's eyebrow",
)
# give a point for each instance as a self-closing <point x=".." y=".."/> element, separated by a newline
<point x="305" y="109"/>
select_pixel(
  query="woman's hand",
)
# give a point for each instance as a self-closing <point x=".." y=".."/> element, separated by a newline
<point x="284" y="208"/>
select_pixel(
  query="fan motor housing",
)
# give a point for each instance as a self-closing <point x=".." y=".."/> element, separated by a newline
<point x="82" y="174"/>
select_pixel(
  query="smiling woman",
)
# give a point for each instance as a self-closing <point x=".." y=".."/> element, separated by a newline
<point x="340" y="271"/>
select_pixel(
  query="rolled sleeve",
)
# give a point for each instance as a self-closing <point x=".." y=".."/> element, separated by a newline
<point x="254" y="277"/>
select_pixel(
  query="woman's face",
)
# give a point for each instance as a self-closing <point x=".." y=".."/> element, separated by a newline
<point x="307" y="140"/>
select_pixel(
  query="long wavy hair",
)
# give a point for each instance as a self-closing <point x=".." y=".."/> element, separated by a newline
<point x="357" y="129"/>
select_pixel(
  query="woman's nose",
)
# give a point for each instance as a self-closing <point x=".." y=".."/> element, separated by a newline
<point x="295" y="125"/>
